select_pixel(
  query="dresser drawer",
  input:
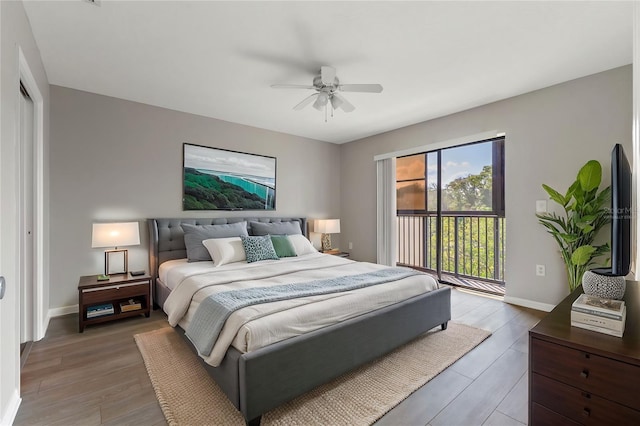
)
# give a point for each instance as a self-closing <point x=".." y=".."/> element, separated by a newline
<point x="542" y="416"/>
<point x="122" y="291"/>
<point x="579" y="405"/>
<point x="607" y="378"/>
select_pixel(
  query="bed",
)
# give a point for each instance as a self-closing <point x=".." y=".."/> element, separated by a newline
<point x="264" y="375"/>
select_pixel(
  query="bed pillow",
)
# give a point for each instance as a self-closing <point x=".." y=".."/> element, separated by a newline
<point x="275" y="228"/>
<point x="283" y="246"/>
<point x="258" y="248"/>
<point x="225" y="250"/>
<point x="301" y="244"/>
<point x="194" y="235"/>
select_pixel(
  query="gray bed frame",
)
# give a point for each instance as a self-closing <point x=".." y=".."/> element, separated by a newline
<point x="259" y="381"/>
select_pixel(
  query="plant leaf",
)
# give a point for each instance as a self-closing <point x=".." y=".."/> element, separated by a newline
<point x="590" y="175"/>
<point x="569" y="238"/>
<point x="582" y="255"/>
<point x="571" y="190"/>
<point x="555" y="195"/>
<point x="588" y="218"/>
<point x="587" y="228"/>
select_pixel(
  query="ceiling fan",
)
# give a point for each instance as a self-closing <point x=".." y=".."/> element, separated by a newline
<point x="327" y="87"/>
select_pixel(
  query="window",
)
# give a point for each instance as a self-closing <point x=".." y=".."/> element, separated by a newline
<point x="467" y="178"/>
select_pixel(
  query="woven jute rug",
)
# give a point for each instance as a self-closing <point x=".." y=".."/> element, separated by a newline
<point x="188" y="395"/>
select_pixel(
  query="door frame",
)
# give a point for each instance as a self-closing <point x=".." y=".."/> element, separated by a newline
<point x="40" y="311"/>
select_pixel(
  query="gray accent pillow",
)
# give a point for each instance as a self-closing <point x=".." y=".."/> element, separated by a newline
<point x="258" y="248"/>
<point x="194" y="235"/>
<point x="275" y="228"/>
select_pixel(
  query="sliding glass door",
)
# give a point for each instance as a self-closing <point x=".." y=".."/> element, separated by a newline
<point x="451" y="211"/>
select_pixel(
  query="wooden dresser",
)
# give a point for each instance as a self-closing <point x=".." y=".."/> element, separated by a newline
<point x="578" y="376"/>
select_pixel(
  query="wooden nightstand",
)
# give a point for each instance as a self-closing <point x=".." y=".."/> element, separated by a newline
<point x="337" y="253"/>
<point x="118" y="289"/>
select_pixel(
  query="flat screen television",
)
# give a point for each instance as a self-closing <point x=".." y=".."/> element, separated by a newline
<point x="621" y="210"/>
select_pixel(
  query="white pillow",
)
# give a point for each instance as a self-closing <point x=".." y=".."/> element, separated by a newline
<point x="225" y="250"/>
<point x="301" y="245"/>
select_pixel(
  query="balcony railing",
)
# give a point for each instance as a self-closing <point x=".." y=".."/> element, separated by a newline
<point x="472" y="246"/>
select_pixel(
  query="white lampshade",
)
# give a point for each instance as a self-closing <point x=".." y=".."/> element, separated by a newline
<point x="327" y="226"/>
<point x="115" y="234"/>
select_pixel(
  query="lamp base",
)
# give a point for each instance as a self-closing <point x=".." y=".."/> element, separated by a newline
<point x="116" y="262"/>
<point x="326" y="242"/>
<point x="103" y="277"/>
<point x="600" y="284"/>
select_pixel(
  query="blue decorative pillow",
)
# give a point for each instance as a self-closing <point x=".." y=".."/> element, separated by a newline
<point x="258" y="248"/>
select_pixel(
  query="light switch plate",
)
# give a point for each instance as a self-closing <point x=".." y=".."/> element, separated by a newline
<point x="541" y="206"/>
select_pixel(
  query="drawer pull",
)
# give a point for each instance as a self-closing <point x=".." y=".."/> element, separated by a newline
<point x="586" y="395"/>
<point x="587" y="356"/>
<point x="586" y="412"/>
<point x="584" y="374"/>
<point x="112" y="287"/>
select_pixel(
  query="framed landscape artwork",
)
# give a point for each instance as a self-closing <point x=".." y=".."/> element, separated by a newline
<point x="219" y="179"/>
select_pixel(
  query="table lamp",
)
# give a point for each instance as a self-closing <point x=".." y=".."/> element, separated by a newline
<point x="115" y="235"/>
<point x="327" y="227"/>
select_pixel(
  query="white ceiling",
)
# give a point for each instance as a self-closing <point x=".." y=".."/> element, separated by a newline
<point x="218" y="59"/>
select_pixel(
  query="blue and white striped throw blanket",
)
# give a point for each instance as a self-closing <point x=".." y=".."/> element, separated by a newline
<point x="212" y="313"/>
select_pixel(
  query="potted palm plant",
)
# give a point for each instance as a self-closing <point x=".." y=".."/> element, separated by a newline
<point x="586" y="211"/>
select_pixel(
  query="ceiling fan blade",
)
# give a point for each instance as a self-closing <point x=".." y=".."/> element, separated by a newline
<point x="306" y="101"/>
<point x="368" y="88"/>
<point x="338" y="101"/>
<point x="328" y="75"/>
<point x="291" y="86"/>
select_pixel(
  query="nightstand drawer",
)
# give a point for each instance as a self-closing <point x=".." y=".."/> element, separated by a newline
<point x="578" y="405"/>
<point x="592" y="373"/>
<point x="121" y="291"/>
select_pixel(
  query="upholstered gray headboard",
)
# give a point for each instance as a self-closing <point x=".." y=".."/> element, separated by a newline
<point x="166" y="238"/>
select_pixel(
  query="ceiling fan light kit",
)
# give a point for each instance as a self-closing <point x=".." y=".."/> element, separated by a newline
<point x="321" y="101"/>
<point x="326" y="86"/>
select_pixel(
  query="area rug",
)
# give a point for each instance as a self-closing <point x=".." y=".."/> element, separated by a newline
<point x="188" y="396"/>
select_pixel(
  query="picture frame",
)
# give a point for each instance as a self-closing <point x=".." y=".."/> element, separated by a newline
<point x="221" y="179"/>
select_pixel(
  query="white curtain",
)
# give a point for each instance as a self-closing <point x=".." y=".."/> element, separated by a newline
<point x="386" y="211"/>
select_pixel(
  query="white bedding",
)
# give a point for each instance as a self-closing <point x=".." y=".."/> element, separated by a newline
<point x="257" y="326"/>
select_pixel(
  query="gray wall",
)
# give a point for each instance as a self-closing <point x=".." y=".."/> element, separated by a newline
<point x="15" y="33"/>
<point x="550" y="134"/>
<point x="117" y="160"/>
<point x="113" y="159"/>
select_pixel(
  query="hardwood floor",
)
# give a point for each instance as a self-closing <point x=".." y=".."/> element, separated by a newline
<point x="98" y="377"/>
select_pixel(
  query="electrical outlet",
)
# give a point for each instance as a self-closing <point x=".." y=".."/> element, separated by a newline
<point x="540" y="270"/>
<point x="350" y="245"/>
<point x="541" y="206"/>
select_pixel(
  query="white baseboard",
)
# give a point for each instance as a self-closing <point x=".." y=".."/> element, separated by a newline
<point x="546" y="307"/>
<point x="11" y="410"/>
<point x="64" y="310"/>
<point x="45" y="326"/>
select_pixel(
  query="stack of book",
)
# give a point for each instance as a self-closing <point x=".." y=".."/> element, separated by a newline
<point x="99" y="310"/>
<point x="130" y="305"/>
<point x="597" y="314"/>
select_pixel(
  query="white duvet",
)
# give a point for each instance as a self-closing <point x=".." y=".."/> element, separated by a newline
<point x="260" y="325"/>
